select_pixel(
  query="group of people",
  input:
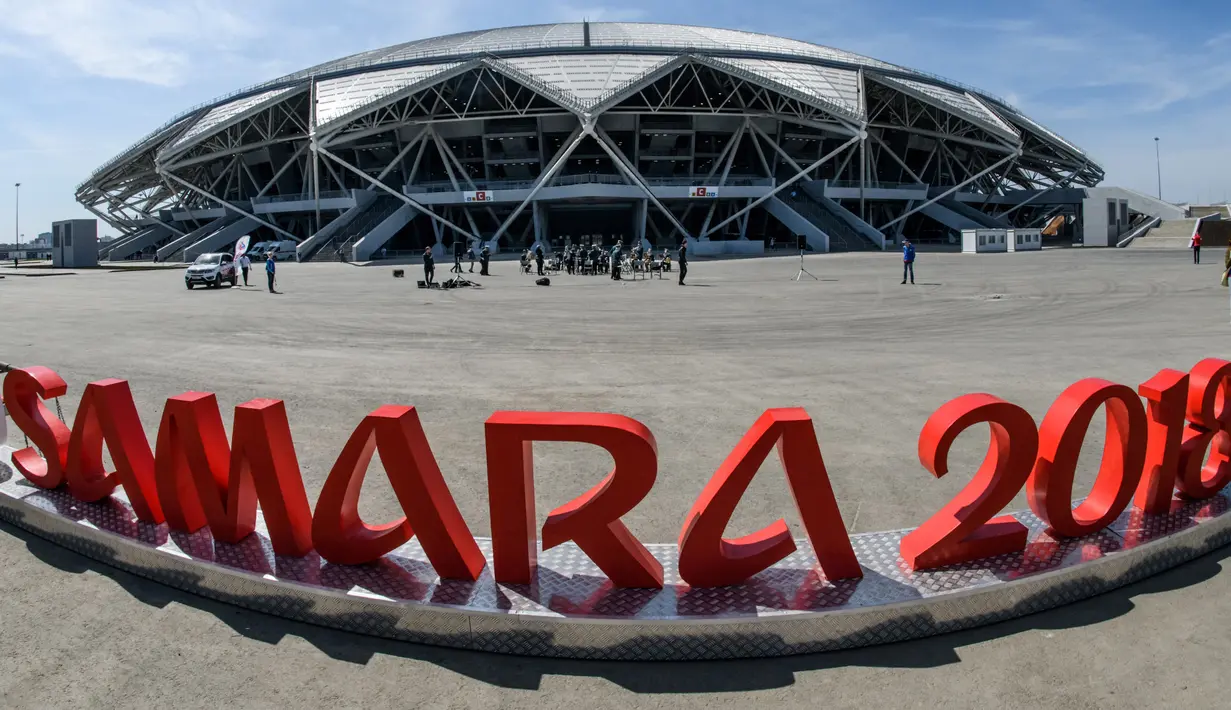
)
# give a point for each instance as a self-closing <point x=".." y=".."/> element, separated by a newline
<point x="591" y="259"/>
<point x="429" y="263"/>
<point x="271" y="267"/>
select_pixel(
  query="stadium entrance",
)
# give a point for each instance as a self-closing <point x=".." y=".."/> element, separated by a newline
<point x="587" y="223"/>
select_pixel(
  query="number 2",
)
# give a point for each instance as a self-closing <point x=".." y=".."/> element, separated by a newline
<point x="964" y="529"/>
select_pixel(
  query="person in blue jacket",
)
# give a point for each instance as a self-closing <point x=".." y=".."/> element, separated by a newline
<point x="269" y="270"/>
<point x="908" y="261"/>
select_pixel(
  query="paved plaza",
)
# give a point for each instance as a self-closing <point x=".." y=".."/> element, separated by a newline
<point x="868" y="358"/>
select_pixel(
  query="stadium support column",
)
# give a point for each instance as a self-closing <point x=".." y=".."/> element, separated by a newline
<point x="231" y="206"/>
<point x="630" y="172"/>
<point x="1011" y="156"/>
<point x="378" y="184"/>
<point x="643" y="214"/>
<point x="788" y="182"/>
<point x="557" y="162"/>
<point x="863" y="146"/>
<point x="438" y="231"/>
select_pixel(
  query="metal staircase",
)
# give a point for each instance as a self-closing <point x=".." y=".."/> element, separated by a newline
<point x="340" y="243"/>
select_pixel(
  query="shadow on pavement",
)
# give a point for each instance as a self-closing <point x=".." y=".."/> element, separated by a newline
<point x="640" y="677"/>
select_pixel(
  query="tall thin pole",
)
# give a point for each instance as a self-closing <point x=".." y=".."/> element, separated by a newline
<point x="1159" y="162"/>
<point x="17" y="215"/>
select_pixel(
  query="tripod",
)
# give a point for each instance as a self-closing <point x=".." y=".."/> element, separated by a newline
<point x="799" y="276"/>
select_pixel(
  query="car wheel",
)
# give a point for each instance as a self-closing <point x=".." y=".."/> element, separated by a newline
<point x="188" y="284"/>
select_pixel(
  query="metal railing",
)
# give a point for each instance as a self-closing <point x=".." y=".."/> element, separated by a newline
<point x="590" y="179"/>
<point x="880" y="185"/>
<point x="305" y="197"/>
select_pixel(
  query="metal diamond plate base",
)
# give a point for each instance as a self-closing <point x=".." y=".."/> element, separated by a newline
<point x="572" y="611"/>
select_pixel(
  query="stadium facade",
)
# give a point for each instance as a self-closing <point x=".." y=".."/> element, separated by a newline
<point x="585" y="132"/>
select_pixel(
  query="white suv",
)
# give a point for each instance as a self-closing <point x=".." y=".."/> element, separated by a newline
<point x="211" y="270"/>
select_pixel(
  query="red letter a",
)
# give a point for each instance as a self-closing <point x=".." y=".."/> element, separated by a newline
<point x="343" y="538"/>
<point x="709" y="560"/>
<point x="107" y="413"/>
<point x="201" y="480"/>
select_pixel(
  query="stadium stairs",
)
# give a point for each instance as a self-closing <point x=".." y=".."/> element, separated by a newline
<point x="362" y="248"/>
<point x="978" y="216"/>
<point x="364" y="218"/>
<point x="174" y="250"/>
<point x="125" y="247"/>
<point x="824" y="228"/>
<point x="315" y="244"/>
<point x="1170" y="234"/>
<point x="227" y="235"/>
<point x="871" y="235"/>
<point x="947" y="217"/>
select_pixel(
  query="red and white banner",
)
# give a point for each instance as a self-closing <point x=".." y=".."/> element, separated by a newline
<point x="479" y="196"/>
<point x="242" y="245"/>
<point x="703" y="192"/>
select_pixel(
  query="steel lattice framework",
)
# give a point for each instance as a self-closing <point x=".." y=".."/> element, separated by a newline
<point x="635" y="104"/>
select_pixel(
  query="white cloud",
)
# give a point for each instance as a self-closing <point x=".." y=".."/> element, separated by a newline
<point x="140" y="40"/>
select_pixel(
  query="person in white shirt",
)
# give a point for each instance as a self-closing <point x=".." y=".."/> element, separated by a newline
<point x="244" y="264"/>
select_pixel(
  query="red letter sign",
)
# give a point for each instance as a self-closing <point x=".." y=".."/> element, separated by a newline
<point x="1050" y="489"/>
<point x="962" y="531"/>
<point x="592" y="520"/>
<point x="107" y="414"/>
<point x="709" y="560"/>
<point x="1165" y="394"/>
<point x="343" y="538"/>
<point x="24" y="391"/>
<point x="202" y="480"/>
<point x="1209" y="413"/>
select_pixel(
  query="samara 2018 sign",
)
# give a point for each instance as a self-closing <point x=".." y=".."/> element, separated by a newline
<point x="1168" y="445"/>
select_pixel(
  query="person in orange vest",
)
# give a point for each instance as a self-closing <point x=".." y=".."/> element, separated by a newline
<point x="1196" y="245"/>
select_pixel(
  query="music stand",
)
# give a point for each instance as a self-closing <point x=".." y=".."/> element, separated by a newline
<point x="803" y="242"/>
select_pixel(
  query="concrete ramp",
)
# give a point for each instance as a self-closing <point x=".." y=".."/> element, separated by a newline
<point x="1171" y="234"/>
<point x="227" y="235"/>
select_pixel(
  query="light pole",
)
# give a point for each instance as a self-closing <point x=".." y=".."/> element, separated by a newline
<point x="17" y="214"/>
<point x="1158" y="161"/>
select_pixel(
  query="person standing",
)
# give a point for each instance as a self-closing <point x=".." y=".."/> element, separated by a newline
<point x="470" y="256"/>
<point x="1226" y="266"/>
<point x="908" y="261"/>
<point x="429" y="266"/>
<point x="538" y="258"/>
<point x="683" y="260"/>
<point x="616" y="252"/>
<point x="457" y="260"/>
<point x="485" y="257"/>
<point x="244" y="265"/>
<point x="270" y="267"/>
<point x="1196" y="244"/>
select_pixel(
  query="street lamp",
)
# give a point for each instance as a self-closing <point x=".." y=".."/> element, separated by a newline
<point x="1159" y="162"/>
<point x="17" y="214"/>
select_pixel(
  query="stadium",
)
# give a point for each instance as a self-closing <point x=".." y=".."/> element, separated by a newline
<point x="597" y="132"/>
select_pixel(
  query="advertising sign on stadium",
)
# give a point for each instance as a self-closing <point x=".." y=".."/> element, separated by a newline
<point x="479" y="196"/>
<point x="703" y="192"/>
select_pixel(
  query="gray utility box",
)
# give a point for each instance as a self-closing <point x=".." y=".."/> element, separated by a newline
<point x="74" y="243"/>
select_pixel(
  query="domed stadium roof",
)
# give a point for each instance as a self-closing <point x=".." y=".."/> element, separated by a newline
<point x="580" y="65"/>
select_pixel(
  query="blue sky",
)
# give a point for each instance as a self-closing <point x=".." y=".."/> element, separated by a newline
<point x="82" y="79"/>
